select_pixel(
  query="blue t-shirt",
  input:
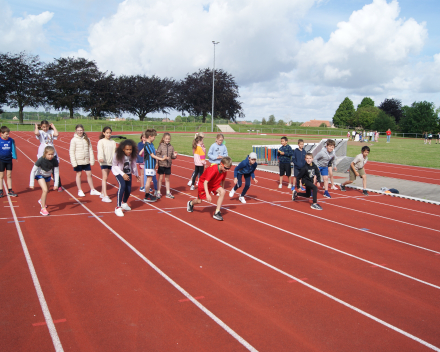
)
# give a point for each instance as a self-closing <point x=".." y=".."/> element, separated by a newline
<point x="7" y="150"/>
<point x="139" y="158"/>
<point x="149" y="149"/>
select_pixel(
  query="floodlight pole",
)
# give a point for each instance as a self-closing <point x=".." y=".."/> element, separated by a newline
<point x="213" y="71"/>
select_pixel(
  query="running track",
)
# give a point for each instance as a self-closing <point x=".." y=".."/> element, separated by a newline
<point x="274" y="276"/>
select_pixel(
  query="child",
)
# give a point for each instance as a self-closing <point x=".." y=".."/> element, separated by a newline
<point x="425" y="137"/>
<point x="140" y="161"/>
<point x="309" y="174"/>
<point x="324" y="160"/>
<point x="246" y="169"/>
<point x="149" y="153"/>
<point x="299" y="160"/>
<point x="43" y="168"/>
<point x="388" y="135"/>
<point x="429" y="137"/>
<point x="123" y="167"/>
<point x="218" y="150"/>
<point x="199" y="135"/>
<point x="46" y="136"/>
<point x="7" y="153"/>
<point x="81" y="157"/>
<point x="357" y="169"/>
<point x="165" y="149"/>
<point x="438" y="138"/>
<point x="199" y="159"/>
<point x="106" y="150"/>
<point x="213" y="179"/>
<point x="284" y="156"/>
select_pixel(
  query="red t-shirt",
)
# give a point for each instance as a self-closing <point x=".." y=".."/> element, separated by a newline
<point x="214" y="177"/>
<point x="388" y="133"/>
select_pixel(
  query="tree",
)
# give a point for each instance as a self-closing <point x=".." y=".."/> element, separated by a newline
<point x="367" y="101"/>
<point x="103" y="98"/>
<point x="365" y="117"/>
<point x="21" y="78"/>
<point x="383" y="121"/>
<point x="281" y="123"/>
<point x="256" y="122"/>
<point x="271" y="120"/>
<point x="67" y="80"/>
<point x="141" y="95"/>
<point x="344" y="115"/>
<point x="263" y="121"/>
<point x="323" y="124"/>
<point x="419" y="117"/>
<point x="194" y="94"/>
<point x="392" y="107"/>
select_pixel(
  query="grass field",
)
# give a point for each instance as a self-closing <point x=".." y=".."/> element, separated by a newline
<point x="399" y="151"/>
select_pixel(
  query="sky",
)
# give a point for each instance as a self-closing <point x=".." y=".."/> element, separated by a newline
<point x="295" y="59"/>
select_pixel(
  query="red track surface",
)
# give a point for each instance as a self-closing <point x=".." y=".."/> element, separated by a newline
<point x="105" y="297"/>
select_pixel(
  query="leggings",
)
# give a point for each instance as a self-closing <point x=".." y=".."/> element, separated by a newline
<point x="124" y="189"/>
<point x="198" y="171"/>
<point x="154" y="183"/>
<point x="247" y="183"/>
<point x="309" y="188"/>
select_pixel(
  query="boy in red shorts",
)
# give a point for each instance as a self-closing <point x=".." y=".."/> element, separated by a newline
<point x="213" y="179"/>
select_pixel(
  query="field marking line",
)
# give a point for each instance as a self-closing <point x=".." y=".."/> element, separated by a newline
<point x="395" y="206"/>
<point x="394" y="173"/>
<point x="161" y="273"/>
<point x="44" y="307"/>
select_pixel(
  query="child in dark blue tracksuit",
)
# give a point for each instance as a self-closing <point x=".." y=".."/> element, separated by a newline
<point x="299" y="160"/>
<point x="246" y="168"/>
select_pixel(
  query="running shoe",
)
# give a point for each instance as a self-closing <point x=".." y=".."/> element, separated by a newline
<point x="241" y="199"/>
<point x="125" y="206"/>
<point x="142" y="189"/>
<point x="101" y="195"/>
<point x="343" y="188"/>
<point x="189" y="182"/>
<point x="94" y="192"/>
<point x="192" y="188"/>
<point x="280" y="186"/>
<point x="158" y="195"/>
<point x="12" y="194"/>
<point x="334" y="187"/>
<point x="327" y="195"/>
<point x="231" y="194"/>
<point x="189" y="207"/>
<point x="316" y="206"/>
<point x="81" y="194"/>
<point x="1" y="194"/>
<point x="294" y="195"/>
<point x="150" y="198"/>
<point x="364" y="192"/>
<point x="106" y="199"/>
<point x="218" y="216"/>
<point x="303" y="189"/>
<point x="44" y="212"/>
<point x="169" y="195"/>
<point x="60" y="189"/>
<point x="118" y="211"/>
<point x="289" y="186"/>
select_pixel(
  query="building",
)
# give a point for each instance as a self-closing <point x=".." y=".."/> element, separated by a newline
<point x="316" y="123"/>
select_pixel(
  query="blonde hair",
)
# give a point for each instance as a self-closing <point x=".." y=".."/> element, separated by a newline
<point x="47" y="150"/>
<point x="196" y="141"/>
<point x="220" y="135"/>
<point x="226" y="161"/>
<point x="199" y="134"/>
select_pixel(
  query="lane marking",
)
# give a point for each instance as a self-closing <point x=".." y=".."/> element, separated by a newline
<point x="377" y="266"/>
<point x="44" y="307"/>
<point x="55" y="322"/>
<point x="187" y="300"/>
<point x="302" y="279"/>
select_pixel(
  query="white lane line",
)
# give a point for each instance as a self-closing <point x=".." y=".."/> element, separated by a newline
<point x="394" y="173"/>
<point x="395" y="206"/>
<point x="161" y="273"/>
<point x="44" y="307"/>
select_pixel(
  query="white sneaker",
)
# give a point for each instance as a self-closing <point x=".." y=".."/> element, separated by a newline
<point x="158" y="195"/>
<point x="289" y="186"/>
<point x="189" y="183"/>
<point x="94" y="192"/>
<point x="81" y="194"/>
<point x="119" y="212"/>
<point x="334" y="187"/>
<point x="101" y="195"/>
<point x="280" y="186"/>
<point x="231" y="194"/>
<point x="106" y="199"/>
<point x="125" y="206"/>
<point x="192" y="188"/>
<point x="241" y="199"/>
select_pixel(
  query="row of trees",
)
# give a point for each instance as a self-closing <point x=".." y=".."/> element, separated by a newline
<point x="75" y="84"/>
<point x="417" y="118"/>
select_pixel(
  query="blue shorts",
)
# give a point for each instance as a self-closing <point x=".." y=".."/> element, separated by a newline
<point x="106" y="167"/>
<point x="80" y="168"/>
<point x="47" y="179"/>
<point x="323" y="170"/>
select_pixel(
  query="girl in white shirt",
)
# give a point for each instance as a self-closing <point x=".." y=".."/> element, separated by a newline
<point x="106" y="150"/>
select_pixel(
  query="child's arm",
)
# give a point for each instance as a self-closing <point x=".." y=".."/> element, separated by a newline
<point x="141" y="153"/>
<point x="33" y="172"/>
<point x="225" y="151"/>
<point x="56" y="173"/>
<point x="36" y="130"/>
<point x="92" y="156"/>
<point x="100" y="151"/>
<point x="173" y="153"/>
<point x="14" y="151"/>
<point x="116" y="170"/>
<point x="205" y="187"/>
<point x="354" y="169"/>
<point x="211" y="155"/>
<point x="55" y="131"/>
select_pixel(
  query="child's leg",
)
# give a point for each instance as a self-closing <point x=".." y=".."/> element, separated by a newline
<point x="1" y="180"/>
<point x="121" y="190"/>
<point x="105" y="173"/>
<point x="221" y="194"/>
<point x="330" y="173"/>
<point x="44" y="188"/>
<point x="159" y="185"/>
<point x="196" y="201"/>
<point x="90" y="179"/>
<point x="78" y="180"/>
<point x="315" y="193"/>
<point x="9" y="179"/>
<point x="364" y="181"/>
<point x="238" y="185"/>
<point x="194" y="176"/>
<point x="247" y="184"/>
<point x="167" y="183"/>
<point x="154" y="178"/>
<point x="281" y="180"/>
<point x="127" y="190"/>
<point x="325" y="182"/>
<point x="147" y="184"/>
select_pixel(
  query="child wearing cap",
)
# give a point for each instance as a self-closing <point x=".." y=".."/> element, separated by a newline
<point x="245" y="169"/>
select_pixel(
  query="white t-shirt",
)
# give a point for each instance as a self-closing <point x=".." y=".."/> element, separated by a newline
<point x="46" y="139"/>
<point x="127" y="165"/>
<point x="353" y="133"/>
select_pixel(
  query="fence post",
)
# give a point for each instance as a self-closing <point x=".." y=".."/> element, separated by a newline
<point x="131" y="127"/>
<point x="174" y="128"/>
<point x="122" y="128"/>
<point x="17" y="127"/>
<point x="91" y="128"/>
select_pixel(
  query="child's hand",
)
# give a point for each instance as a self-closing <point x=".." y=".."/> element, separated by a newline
<point x="318" y="184"/>
<point x="138" y="178"/>
<point x="36" y="126"/>
<point x="357" y="173"/>
<point x="208" y="197"/>
<point x="235" y="180"/>
<point x="336" y="168"/>
<point x="255" y="180"/>
<point x="282" y="153"/>
<point x="126" y="177"/>
<point x="31" y="187"/>
<point x="52" y="125"/>
<point x="101" y="160"/>
<point x="55" y="188"/>
<point x="175" y="154"/>
<point x="219" y="157"/>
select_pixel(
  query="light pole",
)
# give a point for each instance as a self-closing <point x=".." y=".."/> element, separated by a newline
<point x="213" y="71"/>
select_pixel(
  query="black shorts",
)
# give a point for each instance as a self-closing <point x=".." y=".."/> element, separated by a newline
<point x="162" y="170"/>
<point x="80" y="168"/>
<point x="285" y="169"/>
<point x="106" y="167"/>
<point x="296" y="171"/>
<point x="5" y="166"/>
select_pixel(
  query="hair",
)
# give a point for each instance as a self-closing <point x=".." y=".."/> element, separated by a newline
<point x="330" y="142"/>
<point x="4" y="129"/>
<point x="150" y="132"/>
<point x="120" y="150"/>
<point x="44" y="122"/>
<point x="47" y="150"/>
<point x="196" y="141"/>
<point x="300" y="141"/>
<point x="226" y="161"/>
<point x="285" y="138"/>
<point x="142" y="135"/>
<point x="309" y="154"/>
<point x="101" y="136"/>
<point x="364" y="148"/>
<point x="199" y="134"/>
<point x="220" y="135"/>
<point x="85" y="134"/>
<point x="163" y="137"/>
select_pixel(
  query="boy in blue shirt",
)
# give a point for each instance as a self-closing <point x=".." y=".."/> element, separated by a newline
<point x="284" y="156"/>
<point x="7" y="153"/>
<point x="299" y="160"/>
<point x="246" y="169"/>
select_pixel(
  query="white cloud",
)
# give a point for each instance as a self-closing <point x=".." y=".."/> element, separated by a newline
<point x="22" y="33"/>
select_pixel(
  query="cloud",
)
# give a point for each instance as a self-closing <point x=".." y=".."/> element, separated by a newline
<point x="22" y="33"/>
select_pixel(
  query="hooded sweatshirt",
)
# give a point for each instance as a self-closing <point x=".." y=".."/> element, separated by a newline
<point x="245" y="168"/>
<point x="299" y="158"/>
<point x="308" y="172"/>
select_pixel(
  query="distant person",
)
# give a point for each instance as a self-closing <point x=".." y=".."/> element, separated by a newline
<point x="353" y="135"/>
<point x="245" y="169"/>
<point x="425" y="137"/>
<point x="106" y="149"/>
<point x="377" y="136"/>
<point x="217" y="151"/>
<point x="309" y="175"/>
<point x="285" y="158"/>
<point x="7" y="153"/>
<point x="373" y="136"/>
<point x="324" y="159"/>
<point x="140" y="161"/>
<point x="348" y="135"/>
<point x="429" y="137"/>
<point x="299" y="160"/>
<point x="199" y="152"/>
<point x="357" y="170"/>
<point x="165" y="149"/>
<point x="389" y="135"/>
<point x="438" y="138"/>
